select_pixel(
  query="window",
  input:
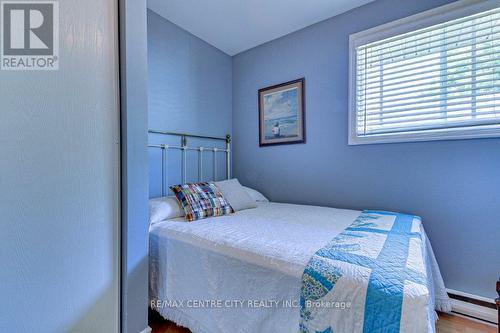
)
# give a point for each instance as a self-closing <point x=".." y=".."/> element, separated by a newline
<point x="435" y="75"/>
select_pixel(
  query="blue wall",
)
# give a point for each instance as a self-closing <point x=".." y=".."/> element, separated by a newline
<point x="190" y="91"/>
<point x="453" y="185"/>
<point x="189" y="81"/>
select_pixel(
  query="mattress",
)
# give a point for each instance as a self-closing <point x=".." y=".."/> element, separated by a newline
<point x="242" y="273"/>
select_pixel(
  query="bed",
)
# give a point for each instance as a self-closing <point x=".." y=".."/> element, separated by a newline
<point x="254" y="255"/>
<point x="249" y="271"/>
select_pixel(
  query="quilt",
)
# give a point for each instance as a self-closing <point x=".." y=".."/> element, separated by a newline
<point x="370" y="278"/>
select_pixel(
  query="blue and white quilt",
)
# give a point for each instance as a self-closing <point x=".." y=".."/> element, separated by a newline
<point x="370" y="278"/>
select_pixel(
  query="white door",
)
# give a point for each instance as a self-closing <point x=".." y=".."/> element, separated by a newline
<point x="59" y="176"/>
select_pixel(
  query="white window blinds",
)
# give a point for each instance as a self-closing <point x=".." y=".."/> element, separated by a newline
<point x="445" y="76"/>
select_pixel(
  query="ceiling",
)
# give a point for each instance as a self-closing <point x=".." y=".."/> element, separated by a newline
<point x="234" y="26"/>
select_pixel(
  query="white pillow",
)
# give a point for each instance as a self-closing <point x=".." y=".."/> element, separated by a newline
<point x="164" y="208"/>
<point x="256" y="195"/>
<point x="235" y="194"/>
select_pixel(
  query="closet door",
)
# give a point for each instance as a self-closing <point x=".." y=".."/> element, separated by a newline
<point x="60" y="178"/>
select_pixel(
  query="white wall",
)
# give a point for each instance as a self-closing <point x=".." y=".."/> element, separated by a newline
<point x="59" y="182"/>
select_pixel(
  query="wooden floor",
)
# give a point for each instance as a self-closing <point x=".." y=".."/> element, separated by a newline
<point x="446" y="324"/>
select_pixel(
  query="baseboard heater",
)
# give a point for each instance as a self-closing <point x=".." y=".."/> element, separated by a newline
<point x="473" y="306"/>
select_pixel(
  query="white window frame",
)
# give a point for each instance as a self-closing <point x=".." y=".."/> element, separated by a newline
<point x="415" y="22"/>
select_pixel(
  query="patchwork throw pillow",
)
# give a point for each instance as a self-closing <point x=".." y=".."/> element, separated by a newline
<point x="201" y="200"/>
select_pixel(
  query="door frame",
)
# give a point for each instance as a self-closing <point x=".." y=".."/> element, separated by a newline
<point x="134" y="165"/>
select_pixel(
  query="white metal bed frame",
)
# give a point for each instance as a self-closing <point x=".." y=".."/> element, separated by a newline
<point x="183" y="147"/>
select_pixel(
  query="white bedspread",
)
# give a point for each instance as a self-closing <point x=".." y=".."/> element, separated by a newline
<point x="242" y="273"/>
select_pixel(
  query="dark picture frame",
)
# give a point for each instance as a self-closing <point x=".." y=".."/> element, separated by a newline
<point x="282" y="114"/>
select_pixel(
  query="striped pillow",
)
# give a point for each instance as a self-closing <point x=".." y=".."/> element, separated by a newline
<point x="201" y="200"/>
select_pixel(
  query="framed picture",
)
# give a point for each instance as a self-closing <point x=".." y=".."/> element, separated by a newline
<point x="282" y="114"/>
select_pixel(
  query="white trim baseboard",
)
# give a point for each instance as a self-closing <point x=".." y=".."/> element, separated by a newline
<point x="461" y="293"/>
<point x="473" y="310"/>
<point x="146" y="330"/>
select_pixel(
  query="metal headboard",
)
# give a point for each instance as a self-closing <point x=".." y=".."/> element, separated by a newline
<point x="184" y="148"/>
